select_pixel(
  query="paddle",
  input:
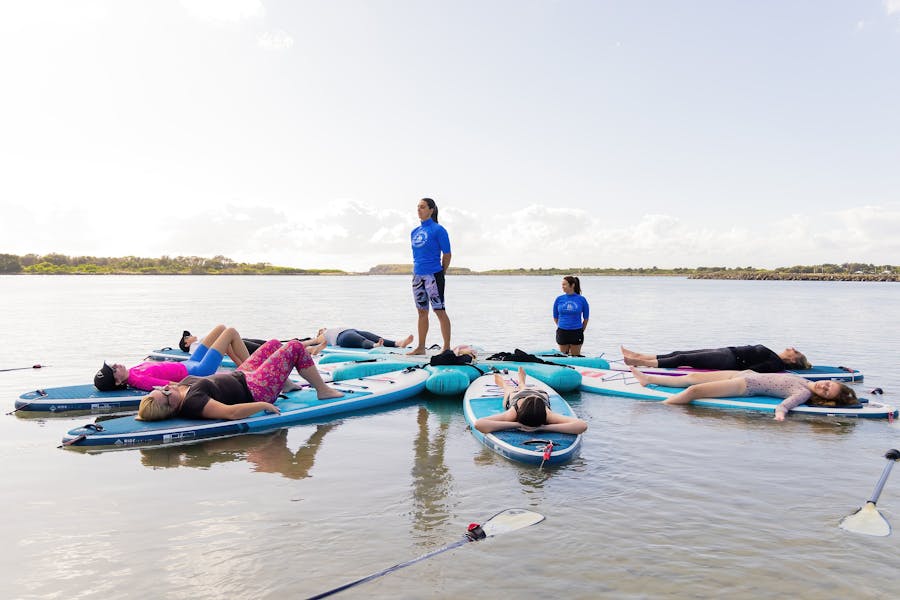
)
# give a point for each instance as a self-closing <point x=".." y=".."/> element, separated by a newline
<point x="24" y="368"/>
<point x="505" y="521"/>
<point x="867" y="520"/>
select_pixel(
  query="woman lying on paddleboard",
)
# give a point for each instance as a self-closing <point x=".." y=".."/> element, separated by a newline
<point x="189" y="343"/>
<point x="756" y="358"/>
<point x="528" y="410"/>
<point x="346" y="337"/>
<point x="205" y="360"/>
<point x="721" y="384"/>
<point x="253" y="387"/>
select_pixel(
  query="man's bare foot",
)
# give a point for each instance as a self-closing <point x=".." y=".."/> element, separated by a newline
<point x="416" y="351"/>
<point x="641" y="377"/>
<point x="405" y="342"/>
<point x="326" y="392"/>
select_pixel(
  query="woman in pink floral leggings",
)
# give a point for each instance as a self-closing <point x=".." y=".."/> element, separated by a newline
<point x="252" y="388"/>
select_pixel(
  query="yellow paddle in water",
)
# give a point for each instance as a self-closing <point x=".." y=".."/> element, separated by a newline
<point x="867" y="520"/>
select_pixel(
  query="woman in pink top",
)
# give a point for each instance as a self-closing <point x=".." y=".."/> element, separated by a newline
<point x="205" y="360"/>
<point x="720" y="384"/>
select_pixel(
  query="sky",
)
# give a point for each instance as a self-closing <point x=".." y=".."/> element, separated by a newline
<point x="552" y="133"/>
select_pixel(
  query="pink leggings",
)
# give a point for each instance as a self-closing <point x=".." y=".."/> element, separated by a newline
<point x="269" y="367"/>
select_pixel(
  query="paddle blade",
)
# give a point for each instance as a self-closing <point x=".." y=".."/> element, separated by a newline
<point x="867" y="521"/>
<point x="510" y="520"/>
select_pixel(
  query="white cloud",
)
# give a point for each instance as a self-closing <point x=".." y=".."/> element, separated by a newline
<point x="275" y="40"/>
<point x="355" y="236"/>
<point x="225" y="11"/>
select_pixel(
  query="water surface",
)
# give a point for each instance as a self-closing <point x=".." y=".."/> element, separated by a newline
<point x="663" y="502"/>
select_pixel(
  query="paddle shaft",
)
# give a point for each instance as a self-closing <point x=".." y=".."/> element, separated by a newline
<point x="23" y="368"/>
<point x="892" y="456"/>
<point x="396" y="567"/>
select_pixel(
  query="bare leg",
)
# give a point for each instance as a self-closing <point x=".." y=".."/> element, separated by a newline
<point x="575" y="350"/>
<point x="445" y="327"/>
<point x="210" y="338"/>
<point x="564" y="348"/>
<point x="423" y="332"/>
<point x="522" y="376"/>
<point x="681" y="381"/>
<point x="323" y="392"/>
<point x="229" y="343"/>
<point x="712" y="389"/>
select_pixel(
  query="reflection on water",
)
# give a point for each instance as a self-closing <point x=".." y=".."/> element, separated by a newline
<point x="268" y="453"/>
<point x="432" y="482"/>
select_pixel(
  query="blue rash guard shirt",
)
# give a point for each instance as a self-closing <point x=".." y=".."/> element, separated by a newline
<point x="429" y="240"/>
<point x="568" y="310"/>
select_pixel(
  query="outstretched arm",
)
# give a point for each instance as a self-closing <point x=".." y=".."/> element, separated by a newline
<point x="216" y="410"/>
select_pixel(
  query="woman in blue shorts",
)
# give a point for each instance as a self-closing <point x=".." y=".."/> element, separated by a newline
<point x="431" y="259"/>
<point x="570" y="313"/>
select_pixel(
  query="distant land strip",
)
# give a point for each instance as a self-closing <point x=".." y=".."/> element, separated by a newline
<point x="60" y="264"/>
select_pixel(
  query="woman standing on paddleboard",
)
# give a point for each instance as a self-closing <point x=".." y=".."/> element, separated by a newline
<point x="431" y="259"/>
<point x="571" y="313"/>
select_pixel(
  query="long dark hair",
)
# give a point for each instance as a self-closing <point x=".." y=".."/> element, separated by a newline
<point x="574" y="282"/>
<point x="531" y="411"/>
<point x="431" y="204"/>
<point x="846" y="397"/>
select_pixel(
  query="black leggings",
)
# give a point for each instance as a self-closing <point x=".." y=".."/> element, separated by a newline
<point x="356" y="338"/>
<point x="715" y="358"/>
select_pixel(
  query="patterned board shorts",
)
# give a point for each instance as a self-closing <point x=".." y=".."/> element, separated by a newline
<point x="429" y="289"/>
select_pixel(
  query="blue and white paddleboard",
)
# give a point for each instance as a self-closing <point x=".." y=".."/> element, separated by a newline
<point x="87" y="398"/>
<point x="484" y="398"/>
<point x="621" y="383"/>
<point x="816" y="373"/>
<point x="300" y="406"/>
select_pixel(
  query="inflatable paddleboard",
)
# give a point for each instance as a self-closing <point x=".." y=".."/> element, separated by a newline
<point x="554" y="356"/>
<point x="619" y="383"/>
<point x="87" y="398"/>
<point x="299" y="406"/>
<point x="816" y="373"/>
<point x="484" y="398"/>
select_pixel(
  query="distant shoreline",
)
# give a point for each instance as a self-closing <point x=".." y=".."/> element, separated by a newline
<point x="59" y="264"/>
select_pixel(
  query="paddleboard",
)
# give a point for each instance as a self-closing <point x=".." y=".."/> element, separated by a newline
<point x="87" y="398"/>
<point x="817" y="373"/>
<point x="484" y="398"/>
<point x="299" y="406"/>
<point x="620" y="383"/>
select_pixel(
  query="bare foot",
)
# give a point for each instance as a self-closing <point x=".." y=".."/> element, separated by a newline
<point x="416" y="351"/>
<point x="498" y="380"/>
<point x="379" y="343"/>
<point x="679" y="398"/>
<point x="313" y="350"/>
<point x="522" y="377"/>
<point x="290" y="386"/>
<point x="326" y="392"/>
<point x="640" y="376"/>
<point x="405" y="341"/>
<point x="626" y="352"/>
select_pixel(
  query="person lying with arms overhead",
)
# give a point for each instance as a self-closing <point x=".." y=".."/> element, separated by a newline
<point x="794" y="389"/>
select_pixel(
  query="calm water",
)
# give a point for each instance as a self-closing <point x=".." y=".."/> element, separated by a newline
<point x="663" y="502"/>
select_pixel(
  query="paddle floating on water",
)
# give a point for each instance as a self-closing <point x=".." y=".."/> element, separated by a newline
<point x="867" y="520"/>
<point x="505" y="521"/>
